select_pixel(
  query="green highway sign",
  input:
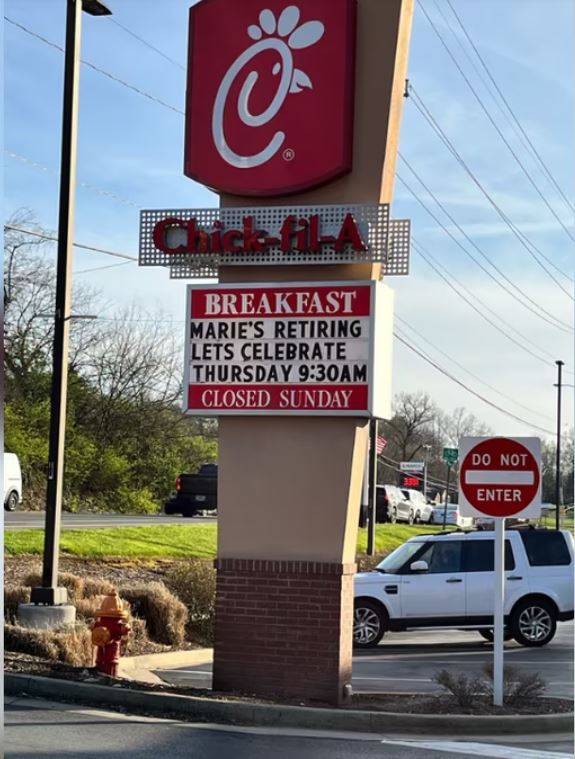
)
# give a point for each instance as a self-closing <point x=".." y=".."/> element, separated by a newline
<point x="450" y="456"/>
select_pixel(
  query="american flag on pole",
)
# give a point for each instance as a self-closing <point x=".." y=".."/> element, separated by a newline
<point x="380" y="444"/>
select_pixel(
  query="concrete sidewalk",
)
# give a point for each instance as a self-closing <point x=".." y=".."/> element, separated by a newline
<point x="143" y="668"/>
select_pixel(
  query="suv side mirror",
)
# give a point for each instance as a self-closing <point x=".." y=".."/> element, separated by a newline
<point x="419" y="566"/>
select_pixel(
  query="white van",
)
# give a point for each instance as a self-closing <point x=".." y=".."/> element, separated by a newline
<point x="12" y="482"/>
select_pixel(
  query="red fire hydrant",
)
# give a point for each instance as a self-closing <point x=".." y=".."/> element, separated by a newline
<point x="108" y="632"/>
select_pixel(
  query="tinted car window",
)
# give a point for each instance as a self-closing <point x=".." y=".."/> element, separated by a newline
<point x="545" y="549"/>
<point x="442" y="556"/>
<point x="479" y="556"/>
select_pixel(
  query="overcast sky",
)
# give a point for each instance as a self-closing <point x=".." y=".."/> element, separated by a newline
<point x="131" y="155"/>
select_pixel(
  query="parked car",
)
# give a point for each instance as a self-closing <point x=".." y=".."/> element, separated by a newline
<point x="421" y="510"/>
<point x="392" y="506"/>
<point x="453" y="517"/>
<point x="195" y="492"/>
<point x="446" y="580"/>
<point x="12" y="482"/>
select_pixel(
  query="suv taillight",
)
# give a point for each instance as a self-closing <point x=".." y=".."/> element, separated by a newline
<point x="178" y="484"/>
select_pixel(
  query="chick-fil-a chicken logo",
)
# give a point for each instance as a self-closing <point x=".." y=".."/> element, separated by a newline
<point x="270" y="94"/>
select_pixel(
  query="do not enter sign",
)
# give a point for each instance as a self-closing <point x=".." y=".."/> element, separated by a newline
<point x="500" y="477"/>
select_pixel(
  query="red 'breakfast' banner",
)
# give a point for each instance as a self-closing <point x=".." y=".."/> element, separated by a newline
<point x="282" y="301"/>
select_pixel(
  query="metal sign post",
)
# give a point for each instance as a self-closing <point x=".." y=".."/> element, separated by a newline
<point x="446" y="497"/>
<point x="499" y="477"/>
<point x="498" y="612"/>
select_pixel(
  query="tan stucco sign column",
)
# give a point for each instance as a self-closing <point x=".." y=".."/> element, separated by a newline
<point x="289" y="487"/>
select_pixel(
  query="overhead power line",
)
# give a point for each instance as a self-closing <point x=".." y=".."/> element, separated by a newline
<point x="53" y="238"/>
<point x="525" y="241"/>
<point x="534" y="150"/>
<point x="552" y="320"/>
<point x="494" y="124"/>
<point x="97" y="68"/>
<point x="85" y="185"/>
<point x="449" y="279"/>
<point x="467" y="371"/>
<point x="430" y="480"/>
<point x="482" y="398"/>
<point x="101" y="268"/>
<point x="145" y="42"/>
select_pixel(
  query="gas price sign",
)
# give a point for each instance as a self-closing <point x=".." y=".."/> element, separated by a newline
<point x="297" y="348"/>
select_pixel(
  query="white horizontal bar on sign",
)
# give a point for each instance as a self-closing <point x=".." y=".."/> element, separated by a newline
<point x="485" y="477"/>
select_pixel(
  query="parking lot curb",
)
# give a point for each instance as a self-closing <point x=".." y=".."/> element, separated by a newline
<point x="169" y="660"/>
<point x="243" y="713"/>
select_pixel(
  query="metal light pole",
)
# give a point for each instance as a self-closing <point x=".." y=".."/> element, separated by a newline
<point x="427" y="448"/>
<point x="372" y="487"/>
<point x="558" y="451"/>
<point x="49" y="593"/>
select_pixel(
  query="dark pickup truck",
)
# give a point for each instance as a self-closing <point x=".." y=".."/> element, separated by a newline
<point x="195" y="492"/>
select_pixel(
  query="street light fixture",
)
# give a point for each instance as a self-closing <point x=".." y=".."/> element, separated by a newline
<point x="49" y="593"/>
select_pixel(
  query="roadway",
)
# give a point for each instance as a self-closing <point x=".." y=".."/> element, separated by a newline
<point x="406" y="662"/>
<point x="41" y="729"/>
<point x="25" y="520"/>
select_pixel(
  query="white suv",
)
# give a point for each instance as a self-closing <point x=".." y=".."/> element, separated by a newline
<point x="446" y="580"/>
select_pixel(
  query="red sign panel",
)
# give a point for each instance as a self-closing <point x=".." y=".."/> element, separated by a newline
<point x="269" y="106"/>
<point x="499" y="477"/>
<point x="284" y="349"/>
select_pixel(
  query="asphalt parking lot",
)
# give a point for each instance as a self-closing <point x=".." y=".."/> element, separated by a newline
<point x="406" y="662"/>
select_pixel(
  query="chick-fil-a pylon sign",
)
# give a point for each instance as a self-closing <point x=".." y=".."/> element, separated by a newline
<point x="269" y="107"/>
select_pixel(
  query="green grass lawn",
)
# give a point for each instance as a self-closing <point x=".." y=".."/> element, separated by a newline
<point x="174" y="541"/>
<point x="168" y="541"/>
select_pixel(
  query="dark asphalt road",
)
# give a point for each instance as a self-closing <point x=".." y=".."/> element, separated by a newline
<point x="48" y="730"/>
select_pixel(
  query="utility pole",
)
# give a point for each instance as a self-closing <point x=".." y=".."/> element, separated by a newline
<point x="372" y="487"/>
<point x="49" y="593"/>
<point x="558" y="450"/>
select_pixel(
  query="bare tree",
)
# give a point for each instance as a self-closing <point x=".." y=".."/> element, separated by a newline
<point x="411" y="424"/>
<point x="29" y="298"/>
<point x="460" y="423"/>
<point x="135" y="364"/>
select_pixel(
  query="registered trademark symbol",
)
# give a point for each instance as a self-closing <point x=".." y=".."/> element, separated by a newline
<point x="288" y="154"/>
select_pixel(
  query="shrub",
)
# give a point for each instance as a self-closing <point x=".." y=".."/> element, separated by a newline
<point x="464" y="689"/>
<point x="365" y="562"/>
<point x="96" y="586"/>
<point x="73" y="583"/>
<point x="165" y="615"/>
<point x="87" y="608"/>
<point x="126" y="500"/>
<point x="72" y="646"/>
<point x="14" y="595"/>
<point x="194" y="583"/>
<point x="137" y="641"/>
<point x="518" y="687"/>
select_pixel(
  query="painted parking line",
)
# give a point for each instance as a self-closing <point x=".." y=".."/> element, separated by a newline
<point x="478" y="749"/>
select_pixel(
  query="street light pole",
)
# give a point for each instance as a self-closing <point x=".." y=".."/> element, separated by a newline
<point x="49" y="593"/>
<point x="426" y="448"/>
<point x="558" y="451"/>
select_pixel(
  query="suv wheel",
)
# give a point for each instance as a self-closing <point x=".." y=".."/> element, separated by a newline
<point x="417" y="517"/>
<point x="11" y="502"/>
<point x="488" y="634"/>
<point x="533" y="622"/>
<point x="369" y="623"/>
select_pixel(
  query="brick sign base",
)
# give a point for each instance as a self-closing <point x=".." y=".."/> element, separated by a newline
<point x="284" y="628"/>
